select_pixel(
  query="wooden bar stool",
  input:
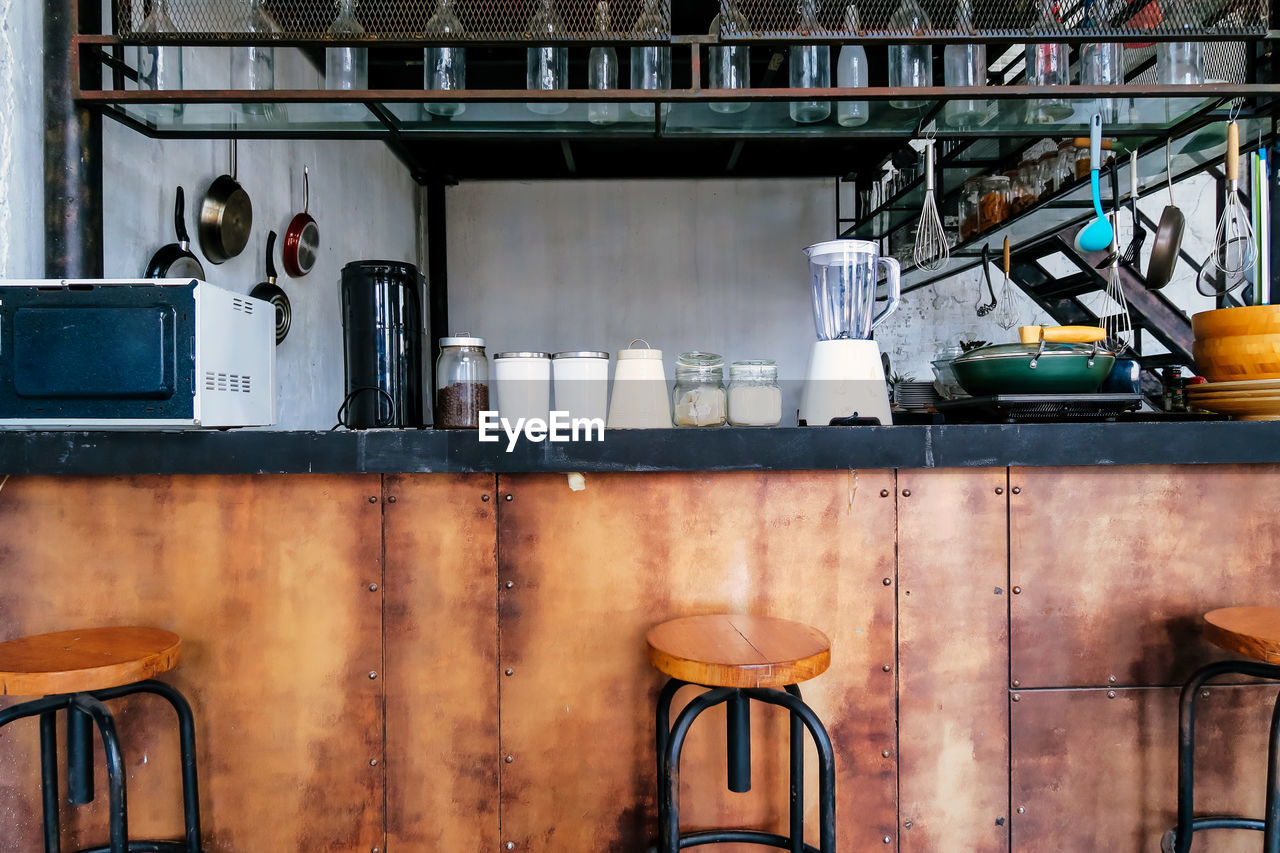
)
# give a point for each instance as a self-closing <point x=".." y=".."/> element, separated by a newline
<point x="1255" y="633"/>
<point x="79" y="671"/>
<point x="740" y="658"/>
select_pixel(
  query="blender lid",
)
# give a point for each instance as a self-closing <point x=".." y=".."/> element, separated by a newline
<point x="840" y="247"/>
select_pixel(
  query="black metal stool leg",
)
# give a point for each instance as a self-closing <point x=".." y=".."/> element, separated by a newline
<point x="669" y="781"/>
<point x="797" y="776"/>
<point x="737" y="729"/>
<point x="1271" y="832"/>
<point x="79" y="757"/>
<point x="826" y="760"/>
<point x="663" y="720"/>
<point x="49" y="780"/>
<point x="119" y="809"/>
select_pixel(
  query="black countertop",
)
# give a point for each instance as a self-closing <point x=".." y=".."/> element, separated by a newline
<point x="251" y="451"/>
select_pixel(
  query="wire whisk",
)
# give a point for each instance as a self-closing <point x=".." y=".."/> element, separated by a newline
<point x="1235" y="246"/>
<point x="1006" y="314"/>
<point x="932" y="252"/>
<point x="1117" y="323"/>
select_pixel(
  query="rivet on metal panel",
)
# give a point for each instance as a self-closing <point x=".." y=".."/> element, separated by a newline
<point x="510" y="845"/>
<point x="907" y="824"/>
<point x="510" y="584"/>
<point x="373" y="762"/>
<point x="1017" y="490"/>
<point x="999" y="490"/>
<point x="373" y="587"/>
<point x="373" y="674"/>
<point x="1017" y="683"/>
<point x="1017" y="698"/>
<point x="887" y="668"/>
<point x="884" y="493"/>
<point x="509" y="498"/>
<point x="1022" y="809"/>
<point x="888" y="840"/>
<point x="906" y="493"/>
<point x="1204" y="694"/>
<point x="375" y="850"/>
<point x="391" y="499"/>
<point x="887" y="581"/>
<point x="509" y="759"/>
<point x="884" y="753"/>
<point x="373" y="499"/>
<point x="484" y="498"/>
<point x="1111" y="678"/>
<point x="508" y="671"/>
<point x="1017" y="590"/>
<point x="1111" y="694"/>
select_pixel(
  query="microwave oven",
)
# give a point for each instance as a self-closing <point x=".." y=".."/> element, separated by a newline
<point x="134" y="354"/>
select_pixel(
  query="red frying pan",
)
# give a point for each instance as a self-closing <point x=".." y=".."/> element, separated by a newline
<point x="302" y="237"/>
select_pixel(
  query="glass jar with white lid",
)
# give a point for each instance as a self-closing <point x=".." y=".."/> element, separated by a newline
<point x="755" y="399"/>
<point x="698" y="396"/>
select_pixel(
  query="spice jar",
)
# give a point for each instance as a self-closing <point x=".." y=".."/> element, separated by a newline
<point x="1065" y="174"/>
<point x="462" y="382"/>
<point x="698" y="397"/>
<point x="755" y="399"/>
<point x="968" y="208"/>
<point x="1047" y="173"/>
<point x="993" y="200"/>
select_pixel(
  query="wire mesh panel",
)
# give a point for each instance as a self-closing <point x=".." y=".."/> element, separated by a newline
<point x="482" y="20"/>
<point x="1073" y="20"/>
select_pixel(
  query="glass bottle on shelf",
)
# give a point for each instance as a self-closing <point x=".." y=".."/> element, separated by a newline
<point x="602" y="70"/>
<point x="159" y="65"/>
<point x="346" y="67"/>
<point x="851" y="73"/>
<point x="253" y="66"/>
<point x="910" y="65"/>
<point x="444" y="68"/>
<point x="965" y="65"/>
<point x="1048" y="64"/>
<point x="651" y="64"/>
<point x="547" y="66"/>
<point x="1180" y="63"/>
<point x="1102" y="64"/>
<point x="810" y="68"/>
<point x="730" y="66"/>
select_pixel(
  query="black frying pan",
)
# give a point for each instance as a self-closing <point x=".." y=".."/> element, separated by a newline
<point x="176" y="260"/>
<point x="1164" y="254"/>
<point x="273" y="293"/>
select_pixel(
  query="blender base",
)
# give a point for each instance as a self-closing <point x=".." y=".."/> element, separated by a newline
<point x="845" y="378"/>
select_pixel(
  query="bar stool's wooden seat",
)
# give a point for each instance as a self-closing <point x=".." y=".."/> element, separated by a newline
<point x="738" y="659"/>
<point x="1253" y="632"/>
<point x="78" y="671"/>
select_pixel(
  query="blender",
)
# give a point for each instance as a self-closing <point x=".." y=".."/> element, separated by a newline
<point x="845" y="376"/>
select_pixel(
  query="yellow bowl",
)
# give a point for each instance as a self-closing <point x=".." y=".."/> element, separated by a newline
<point x="1225" y="359"/>
<point x="1230" y="322"/>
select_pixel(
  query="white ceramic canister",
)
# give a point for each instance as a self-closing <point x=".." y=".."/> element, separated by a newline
<point x="524" y="385"/>
<point x="640" y="398"/>
<point x="581" y="382"/>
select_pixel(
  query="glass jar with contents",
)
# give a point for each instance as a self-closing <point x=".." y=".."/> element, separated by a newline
<point x="1065" y="174"/>
<point x="1046" y="173"/>
<point x="462" y="382"/>
<point x="755" y="399"/>
<point x="698" y="396"/>
<point x="967" y="210"/>
<point x="994" y="195"/>
<point x="1025" y="190"/>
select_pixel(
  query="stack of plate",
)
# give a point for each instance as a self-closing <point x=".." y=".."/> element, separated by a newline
<point x="915" y="395"/>
<point x="1243" y="400"/>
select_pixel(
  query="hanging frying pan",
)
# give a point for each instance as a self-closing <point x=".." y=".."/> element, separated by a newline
<point x="176" y="260"/>
<point x="302" y="237"/>
<point x="226" y="216"/>
<point x="1164" y="254"/>
<point x="273" y="293"/>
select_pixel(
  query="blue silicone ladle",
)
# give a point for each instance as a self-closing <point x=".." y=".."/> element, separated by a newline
<point x="1098" y="234"/>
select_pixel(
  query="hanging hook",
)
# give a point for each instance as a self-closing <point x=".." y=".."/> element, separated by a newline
<point x="231" y="144"/>
<point x="306" y="191"/>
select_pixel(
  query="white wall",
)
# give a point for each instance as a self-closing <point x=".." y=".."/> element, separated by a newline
<point x="21" y="140"/>
<point x="361" y="197"/>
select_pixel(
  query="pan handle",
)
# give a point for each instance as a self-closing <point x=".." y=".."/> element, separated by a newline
<point x="271" y="251"/>
<point x="180" y="219"/>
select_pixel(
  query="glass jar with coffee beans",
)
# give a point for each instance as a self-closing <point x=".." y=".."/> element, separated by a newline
<point x="462" y="382"/>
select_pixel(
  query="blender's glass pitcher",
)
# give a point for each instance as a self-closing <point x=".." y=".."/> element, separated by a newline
<point x="842" y="274"/>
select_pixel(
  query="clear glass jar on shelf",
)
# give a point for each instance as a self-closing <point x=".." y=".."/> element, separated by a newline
<point x="650" y="65"/>
<point x="462" y="382"/>
<point x="1065" y="174"/>
<point x="994" y="196"/>
<point x="910" y="64"/>
<point x="967" y="210"/>
<point x="1026" y="190"/>
<point x="1047" y="172"/>
<point x="851" y="73"/>
<point x="809" y="67"/>
<point x="698" y="397"/>
<point x="346" y="67"/>
<point x="730" y="65"/>
<point x="965" y="65"/>
<point x="755" y="398"/>
<point x="602" y="70"/>
<point x="546" y="66"/>
<point x="1048" y="64"/>
<point x="444" y="67"/>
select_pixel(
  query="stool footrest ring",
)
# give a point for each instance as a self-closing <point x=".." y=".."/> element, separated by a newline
<point x="740" y="836"/>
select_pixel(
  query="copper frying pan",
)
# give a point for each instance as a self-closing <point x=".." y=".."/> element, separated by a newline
<point x="302" y="237"/>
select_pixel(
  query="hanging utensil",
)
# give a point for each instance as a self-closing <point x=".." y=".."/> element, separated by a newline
<point x="931" y="250"/>
<point x="302" y="237"/>
<point x="1098" y="234"/>
<point x="1006" y="317"/>
<point x="1234" y="246"/>
<point x="176" y="260"/>
<point x="273" y="293"/>
<point x="984" y="310"/>
<point x="1118" y="325"/>
<point x="1164" y="251"/>
<point x="226" y="216"/>
<point x="1133" y="253"/>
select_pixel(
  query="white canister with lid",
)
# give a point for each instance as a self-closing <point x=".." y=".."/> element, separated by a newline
<point x="524" y="385"/>
<point x="640" y="398"/>
<point x="581" y="381"/>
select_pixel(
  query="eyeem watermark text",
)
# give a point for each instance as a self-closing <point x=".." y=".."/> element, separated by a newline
<point x="559" y="427"/>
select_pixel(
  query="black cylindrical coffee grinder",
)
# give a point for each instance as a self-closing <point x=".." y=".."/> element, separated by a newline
<point x="382" y="322"/>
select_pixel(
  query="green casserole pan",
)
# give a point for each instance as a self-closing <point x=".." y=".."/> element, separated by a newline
<point x="1043" y="368"/>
